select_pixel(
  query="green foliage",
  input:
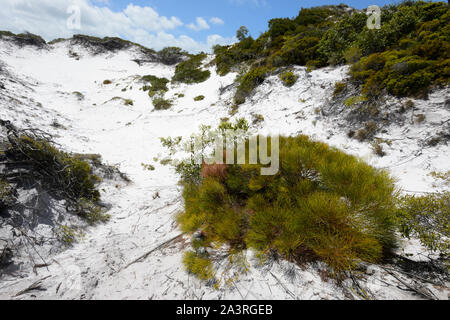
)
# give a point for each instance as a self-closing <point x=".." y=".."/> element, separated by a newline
<point x="190" y="71"/>
<point x="198" y="265"/>
<point x="67" y="235"/>
<point x="171" y="55"/>
<point x="7" y="195"/>
<point x="288" y="78"/>
<point x="63" y="171"/>
<point x="351" y="101"/>
<point x="157" y="85"/>
<point x="322" y="205"/>
<point x="427" y="218"/>
<point x="339" y="87"/>
<point x="199" y="98"/>
<point x="242" y="33"/>
<point x="161" y="104"/>
<point x="409" y="54"/>
<point x="248" y="82"/>
<point x="337" y="40"/>
<point x="6" y="34"/>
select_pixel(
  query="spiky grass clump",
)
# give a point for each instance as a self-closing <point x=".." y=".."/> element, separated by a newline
<point x="322" y="205"/>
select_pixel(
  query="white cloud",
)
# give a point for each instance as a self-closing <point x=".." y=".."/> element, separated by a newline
<point x="48" y="18"/>
<point x="216" y="20"/>
<point x="148" y="18"/>
<point x="200" y="24"/>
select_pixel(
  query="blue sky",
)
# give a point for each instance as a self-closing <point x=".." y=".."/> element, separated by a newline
<point x="194" y="25"/>
<point x="252" y="13"/>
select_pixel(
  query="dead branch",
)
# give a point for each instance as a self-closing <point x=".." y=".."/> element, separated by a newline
<point x="160" y="246"/>
<point x="34" y="286"/>
<point x="284" y="287"/>
<point x="420" y="291"/>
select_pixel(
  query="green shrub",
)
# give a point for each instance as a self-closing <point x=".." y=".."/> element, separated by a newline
<point x="248" y="82"/>
<point x="199" y="98"/>
<point x="157" y="85"/>
<point x="410" y="50"/>
<point x="7" y="195"/>
<point x="322" y="205"/>
<point x="128" y="102"/>
<point x="63" y="172"/>
<point x="288" y="78"/>
<point x="171" y="55"/>
<point x="351" y="101"/>
<point x="339" y="87"/>
<point x="190" y="71"/>
<point x="199" y="266"/>
<point x="427" y="218"/>
<point x="67" y="235"/>
<point x="161" y="104"/>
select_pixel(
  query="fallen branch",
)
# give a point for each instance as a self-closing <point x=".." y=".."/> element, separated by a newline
<point x="145" y="255"/>
<point x="284" y="287"/>
<point x="411" y="288"/>
<point x="362" y="293"/>
<point x="417" y="277"/>
<point x="34" y="286"/>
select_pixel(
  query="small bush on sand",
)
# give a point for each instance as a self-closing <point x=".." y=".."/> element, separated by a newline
<point x="157" y="85"/>
<point x="171" y="55"/>
<point x="248" y="82"/>
<point x="190" y="71"/>
<point x="427" y="218"/>
<point x="377" y="149"/>
<point x="288" y="78"/>
<point x="367" y="132"/>
<point x="161" y="104"/>
<point x="7" y="195"/>
<point x="339" y="87"/>
<point x="199" y="98"/>
<point x="106" y="82"/>
<point x="321" y="205"/>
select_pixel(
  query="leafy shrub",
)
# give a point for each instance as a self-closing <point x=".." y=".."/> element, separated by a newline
<point x="157" y="85"/>
<point x="106" y="82"/>
<point x="66" y="173"/>
<point x="288" y="78"/>
<point x="428" y="218"/>
<point x="351" y="101"/>
<point x="367" y="132"/>
<point x="7" y="195"/>
<point x="410" y="51"/>
<point x="171" y="55"/>
<point x="322" y="205"/>
<point x="161" y="104"/>
<point x="199" y="266"/>
<point x="190" y="71"/>
<point x="248" y="82"/>
<point x="199" y="98"/>
<point x="339" y="87"/>
<point x="128" y="102"/>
